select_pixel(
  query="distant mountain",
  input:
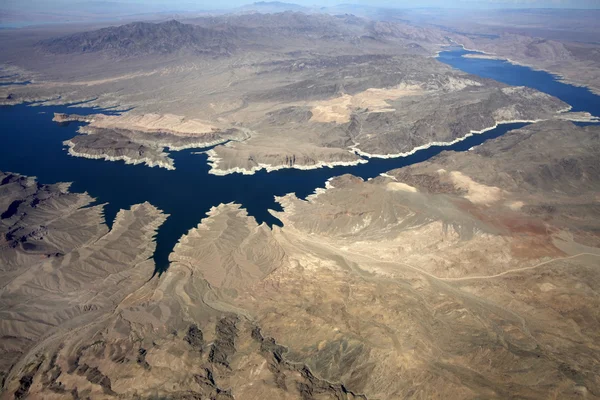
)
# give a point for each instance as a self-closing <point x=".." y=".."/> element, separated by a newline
<point x="271" y="7"/>
<point x="222" y="35"/>
<point x="144" y="38"/>
<point x="348" y="27"/>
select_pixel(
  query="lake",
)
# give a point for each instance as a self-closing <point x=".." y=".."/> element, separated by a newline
<point x="32" y="145"/>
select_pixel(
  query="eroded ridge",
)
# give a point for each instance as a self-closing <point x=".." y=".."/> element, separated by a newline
<point x="62" y="270"/>
<point x="473" y="273"/>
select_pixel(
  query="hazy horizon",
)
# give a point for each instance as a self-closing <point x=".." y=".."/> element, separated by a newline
<point x="23" y="13"/>
<point x="183" y="5"/>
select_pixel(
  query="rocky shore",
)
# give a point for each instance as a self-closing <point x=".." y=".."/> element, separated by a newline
<point x="96" y="141"/>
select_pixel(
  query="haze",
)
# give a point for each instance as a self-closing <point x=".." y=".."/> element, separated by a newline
<point x="37" y="5"/>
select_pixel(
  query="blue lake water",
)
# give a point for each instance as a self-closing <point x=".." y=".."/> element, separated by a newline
<point x="580" y="98"/>
<point x="15" y="83"/>
<point x="32" y="145"/>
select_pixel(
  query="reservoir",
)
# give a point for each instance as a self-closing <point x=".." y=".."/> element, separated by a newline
<point x="580" y="98"/>
<point x="32" y="145"/>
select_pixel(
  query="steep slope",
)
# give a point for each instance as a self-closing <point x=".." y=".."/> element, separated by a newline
<point x="143" y="38"/>
<point x="62" y="269"/>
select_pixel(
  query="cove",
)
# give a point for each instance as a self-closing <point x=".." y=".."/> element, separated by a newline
<point x="32" y="145"/>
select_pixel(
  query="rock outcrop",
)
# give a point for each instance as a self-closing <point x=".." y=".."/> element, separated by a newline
<point x="142" y="139"/>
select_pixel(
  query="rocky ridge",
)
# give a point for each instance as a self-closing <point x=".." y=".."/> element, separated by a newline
<point x="143" y="39"/>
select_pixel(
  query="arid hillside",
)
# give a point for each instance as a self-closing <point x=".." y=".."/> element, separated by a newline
<point x="474" y="274"/>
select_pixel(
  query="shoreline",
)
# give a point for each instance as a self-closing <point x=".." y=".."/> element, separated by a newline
<point x="556" y="75"/>
<point x="165" y="142"/>
<point x="359" y="152"/>
<point x="128" y="160"/>
<point x="576" y="118"/>
<point x="87" y="129"/>
<point x="319" y="190"/>
<point x="213" y="162"/>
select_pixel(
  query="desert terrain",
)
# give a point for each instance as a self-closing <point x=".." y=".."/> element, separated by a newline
<point x="564" y="42"/>
<point x="471" y="275"/>
<point x="363" y="87"/>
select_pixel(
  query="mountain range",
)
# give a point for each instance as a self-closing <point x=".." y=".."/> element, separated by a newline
<point x="222" y="35"/>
